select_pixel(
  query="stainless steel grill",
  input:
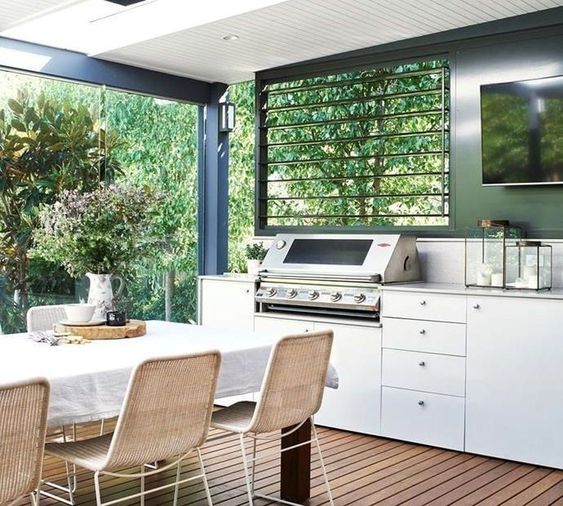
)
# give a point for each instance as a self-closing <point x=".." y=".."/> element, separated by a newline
<point x="338" y="275"/>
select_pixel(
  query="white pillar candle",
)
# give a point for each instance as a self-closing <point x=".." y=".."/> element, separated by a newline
<point x="496" y="279"/>
<point x="484" y="278"/>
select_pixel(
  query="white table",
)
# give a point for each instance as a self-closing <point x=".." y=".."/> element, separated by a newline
<point x="88" y="382"/>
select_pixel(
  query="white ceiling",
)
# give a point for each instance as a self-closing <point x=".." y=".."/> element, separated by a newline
<point x="283" y="33"/>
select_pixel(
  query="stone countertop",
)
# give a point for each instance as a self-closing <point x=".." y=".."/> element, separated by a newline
<point x="460" y="289"/>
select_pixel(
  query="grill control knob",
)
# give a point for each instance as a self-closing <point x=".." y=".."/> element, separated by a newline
<point x="359" y="298"/>
<point x="313" y="294"/>
<point x="291" y="293"/>
<point x="280" y="244"/>
<point x="271" y="292"/>
<point x="335" y="296"/>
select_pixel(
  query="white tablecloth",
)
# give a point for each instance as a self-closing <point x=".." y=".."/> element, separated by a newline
<point x="88" y="382"/>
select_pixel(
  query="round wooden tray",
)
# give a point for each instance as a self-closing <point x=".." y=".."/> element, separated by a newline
<point x="134" y="328"/>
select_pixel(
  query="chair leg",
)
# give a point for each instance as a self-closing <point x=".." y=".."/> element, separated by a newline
<point x="177" y="486"/>
<point x="321" y="460"/>
<point x="142" y="498"/>
<point x="253" y="464"/>
<point x="97" y="487"/>
<point x="204" y="478"/>
<point x="245" y="465"/>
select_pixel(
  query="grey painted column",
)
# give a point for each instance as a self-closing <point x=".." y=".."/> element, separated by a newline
<point x="214" y="190"/>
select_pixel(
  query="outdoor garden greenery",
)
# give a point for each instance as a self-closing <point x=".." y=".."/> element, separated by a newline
<point x="108" y="230"/>
<point x="58" y="136"/>
<point x="353" y="157"/>
<point x="356" y="149"/>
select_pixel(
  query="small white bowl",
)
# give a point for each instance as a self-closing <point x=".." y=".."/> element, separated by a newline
<point x="80" y="312"/>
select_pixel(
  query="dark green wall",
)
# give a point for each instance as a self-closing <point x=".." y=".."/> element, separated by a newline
<point x="539" y="208"/>
<point x="525" y="47"/>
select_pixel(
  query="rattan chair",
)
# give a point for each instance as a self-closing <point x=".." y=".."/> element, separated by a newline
<point x="44" y="317"/>
<point x="292" y="392"/>
<point x="23" y="422"/>
<point x="165" y="415"/>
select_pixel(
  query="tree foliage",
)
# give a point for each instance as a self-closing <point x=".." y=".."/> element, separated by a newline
<point x="46" y="147"/>
<point x="347" y="149"/>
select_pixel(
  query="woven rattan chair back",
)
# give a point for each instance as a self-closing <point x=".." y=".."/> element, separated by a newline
<point x="44" y="317"/>
<point x="167" y="410"/>
<point x="23" y="422"/>
<point x="293" y="387"/>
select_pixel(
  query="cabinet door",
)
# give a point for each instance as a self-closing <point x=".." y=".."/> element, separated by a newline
<point x="281" y="326"/>
<point x="515" y="379"/>
<point x="226" y="304"/>
<point x="356" y="356"/>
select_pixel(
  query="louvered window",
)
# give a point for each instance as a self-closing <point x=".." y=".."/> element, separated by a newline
<point x="355" y="149"/>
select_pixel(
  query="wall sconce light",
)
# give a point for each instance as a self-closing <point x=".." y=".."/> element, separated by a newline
<point x="227" y="120"/>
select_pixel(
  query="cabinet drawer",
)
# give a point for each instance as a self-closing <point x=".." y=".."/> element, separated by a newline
<point x="424" y="306"/>
<point x="431" y="419"/>
<point x="426" y="336"/>
<point x="428" y="372"/>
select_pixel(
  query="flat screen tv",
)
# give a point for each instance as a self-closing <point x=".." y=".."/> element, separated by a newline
<point x="522" y="132"/>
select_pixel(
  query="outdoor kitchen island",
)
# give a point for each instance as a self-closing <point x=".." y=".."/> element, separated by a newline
<point x="476" y="370"/>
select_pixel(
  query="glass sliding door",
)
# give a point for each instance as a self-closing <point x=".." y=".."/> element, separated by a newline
<point x="94" y="135"/>
<point x="158" y="149"/>
<point x="49" y="142"/>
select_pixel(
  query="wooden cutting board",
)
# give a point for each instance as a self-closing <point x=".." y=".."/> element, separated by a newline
<point x="135" y="328"/>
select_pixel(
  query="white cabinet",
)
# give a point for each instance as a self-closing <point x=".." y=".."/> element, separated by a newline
<point x="226" y="303"/>
<point x="427" y="372"/>
<point x="424" y="306"/>
<point x="423" y="417"/>
<point x="432" y="337"/>
<point x="515" y="379"/>
<point x="423" y="373"/>
<point x="356" y="356"/>
<point x="283" y="326"/>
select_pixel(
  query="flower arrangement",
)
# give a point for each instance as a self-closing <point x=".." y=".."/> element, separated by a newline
<point x="102" y="231"/>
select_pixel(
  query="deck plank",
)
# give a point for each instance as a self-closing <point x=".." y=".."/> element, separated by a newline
<point x="363" y="470"/>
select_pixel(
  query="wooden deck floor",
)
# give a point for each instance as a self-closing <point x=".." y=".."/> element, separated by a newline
<point x="363" y="470"/>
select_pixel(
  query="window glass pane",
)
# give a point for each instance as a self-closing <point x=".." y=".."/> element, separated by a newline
<point x="157" y="148"/>
<point x="49" y="140"/>
<point x="57" y="136"/>
<point x="241" y="174"/>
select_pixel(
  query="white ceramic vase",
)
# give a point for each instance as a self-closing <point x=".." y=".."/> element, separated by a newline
<point x="101" y="293"/>
<point x="253" y="266"/>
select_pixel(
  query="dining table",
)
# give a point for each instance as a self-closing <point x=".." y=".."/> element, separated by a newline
<point x="89" y="381"/>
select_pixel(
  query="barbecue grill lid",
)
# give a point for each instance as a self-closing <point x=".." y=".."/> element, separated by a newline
<point x="369" y="257"/>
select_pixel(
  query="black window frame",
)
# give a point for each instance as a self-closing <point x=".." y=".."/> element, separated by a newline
<point x="262" y="228"/>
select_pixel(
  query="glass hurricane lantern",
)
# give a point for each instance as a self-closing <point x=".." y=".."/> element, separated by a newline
<point x="485" y="252"/>
<point x="528" y="266"/>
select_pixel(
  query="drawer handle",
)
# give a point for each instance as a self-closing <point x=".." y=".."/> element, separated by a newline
<point x="423" y="302"/>
<point x="476" y="306"/>
<point x="422" y="332"/>
<point x="421" y="403"/>
<point x="422" y="363"/>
